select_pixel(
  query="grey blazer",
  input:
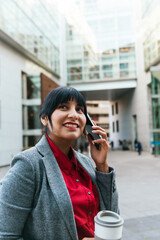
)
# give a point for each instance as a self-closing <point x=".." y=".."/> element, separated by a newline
<point x="34" y="200"/>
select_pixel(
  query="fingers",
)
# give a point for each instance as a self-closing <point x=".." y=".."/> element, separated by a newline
<point x="96" y="128"/>
<point x="94" y="122"/>
<point x="104" y="143"/>
<point x="100" y="131"/>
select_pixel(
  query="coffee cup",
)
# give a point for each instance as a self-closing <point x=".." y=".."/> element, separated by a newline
<point x="108" y="226"/>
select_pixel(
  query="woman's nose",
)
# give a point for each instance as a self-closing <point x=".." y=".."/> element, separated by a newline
<point x="73" y="113"/>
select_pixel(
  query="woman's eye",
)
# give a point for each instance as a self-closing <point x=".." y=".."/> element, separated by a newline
<point x="79" y="109"/>
<point x="62" y="107"/>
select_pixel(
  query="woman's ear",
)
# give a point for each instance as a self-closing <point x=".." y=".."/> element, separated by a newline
<point x="44" y="120"/>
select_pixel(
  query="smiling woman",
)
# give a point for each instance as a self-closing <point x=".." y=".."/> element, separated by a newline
<point x="64" y="106"/>
<point x="66" y="120"/>
<point x="51" y="186"/>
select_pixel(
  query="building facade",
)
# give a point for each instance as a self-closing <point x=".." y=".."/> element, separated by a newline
<point x="114" y="29"/>
<point x="115" y="64"/>
<point x="150" y="19"/>
<point x="29" y="67"/>
<point x="100" y="57"/>
<point x="124" y="55"/>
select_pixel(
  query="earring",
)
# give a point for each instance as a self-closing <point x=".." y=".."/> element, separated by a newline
<point x="44" y="122"/>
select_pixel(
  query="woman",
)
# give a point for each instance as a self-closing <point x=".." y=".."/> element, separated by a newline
<point x="52" y="192"/>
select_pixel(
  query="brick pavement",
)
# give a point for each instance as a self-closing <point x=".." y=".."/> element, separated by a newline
<point x="138" y="179"/>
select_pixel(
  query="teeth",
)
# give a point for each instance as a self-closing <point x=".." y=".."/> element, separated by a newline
<point x="70" y="125"/>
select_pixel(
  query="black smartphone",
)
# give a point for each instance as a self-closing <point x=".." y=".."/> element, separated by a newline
<point x="89" y="130"/>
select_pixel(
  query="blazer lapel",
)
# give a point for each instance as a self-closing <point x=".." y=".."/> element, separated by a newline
<point x="88" y="168"/>
<point x="58" y="185"/>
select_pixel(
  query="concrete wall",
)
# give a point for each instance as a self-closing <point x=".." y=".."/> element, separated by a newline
<point x="10" y="97"/>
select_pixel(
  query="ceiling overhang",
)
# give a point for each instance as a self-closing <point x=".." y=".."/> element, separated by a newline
<point x="105" y="90"/>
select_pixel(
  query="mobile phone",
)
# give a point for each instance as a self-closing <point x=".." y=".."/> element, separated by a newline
<point x="89" y="129"/>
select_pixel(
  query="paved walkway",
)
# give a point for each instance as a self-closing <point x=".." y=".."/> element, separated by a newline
<point x="138" y="181"/>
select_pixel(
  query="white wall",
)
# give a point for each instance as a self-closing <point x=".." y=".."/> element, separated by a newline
<point x="10" y="96"/>
<point x="142" y="98"/>
<point x="124" y="117"/>
<point x="137" y="103"/>
<point x="11" y="65"/>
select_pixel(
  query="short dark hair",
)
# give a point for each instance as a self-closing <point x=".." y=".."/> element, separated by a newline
<point x="61" y="95"/>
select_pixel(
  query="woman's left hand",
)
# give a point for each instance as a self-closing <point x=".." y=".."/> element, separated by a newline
<point x="100" y="156"/>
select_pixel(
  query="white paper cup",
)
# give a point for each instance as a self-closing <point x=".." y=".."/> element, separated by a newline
<point x="108" y="226"/>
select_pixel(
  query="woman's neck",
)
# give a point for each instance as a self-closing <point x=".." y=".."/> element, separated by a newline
<point x="62" y="145"/>
<point x="64" y="149"/>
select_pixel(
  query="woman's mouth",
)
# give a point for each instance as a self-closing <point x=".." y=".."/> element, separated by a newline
<point x="71" y="125"/>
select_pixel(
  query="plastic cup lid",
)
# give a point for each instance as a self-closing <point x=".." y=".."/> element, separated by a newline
<point x="108" y="218"/>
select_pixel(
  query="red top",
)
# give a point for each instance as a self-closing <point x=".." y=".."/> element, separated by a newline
<point x="83" y="192"/>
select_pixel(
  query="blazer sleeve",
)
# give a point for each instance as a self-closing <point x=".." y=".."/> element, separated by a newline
<point x="107" y="186"/>
<point x="16" y="197"/>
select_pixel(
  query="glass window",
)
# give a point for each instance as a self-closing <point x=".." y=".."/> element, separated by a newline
<point x="33" y="88"/>
<point x="74" y="77"/>
<point x="75" y="69"/>
<point x="155" y="86"/>
<point x="86" y="53"/>
<point x="30" y="141"/>
<point x="112" y="109"/>
<point x="156" y="112"/>
<point x="107" y="75"/>
<point x="124" y="73"/>
<point x="94" y="76"/>
<point x="31" y="118"/>
<point x="94" y="68"/>
<point x="107" y="125"/>
<point x="116" y="106"/>
<point x="74" y="62"/>
<point x="123" y="65"/>
<point x="107" y="67"/>
<point x="26" y="26"/>
<point x="126" y="49"/>
<point x="156" y="142"/>
<point x="109" y="59"/>
<point x="113" y="126"/>
<point x="124" y="58"/>
<point x="155" y="90"/>
<point x="117" y="125"/>
<point x="109" y="52"/>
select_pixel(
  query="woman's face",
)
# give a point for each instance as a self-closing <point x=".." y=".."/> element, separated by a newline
<point x="68" y="122"/>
